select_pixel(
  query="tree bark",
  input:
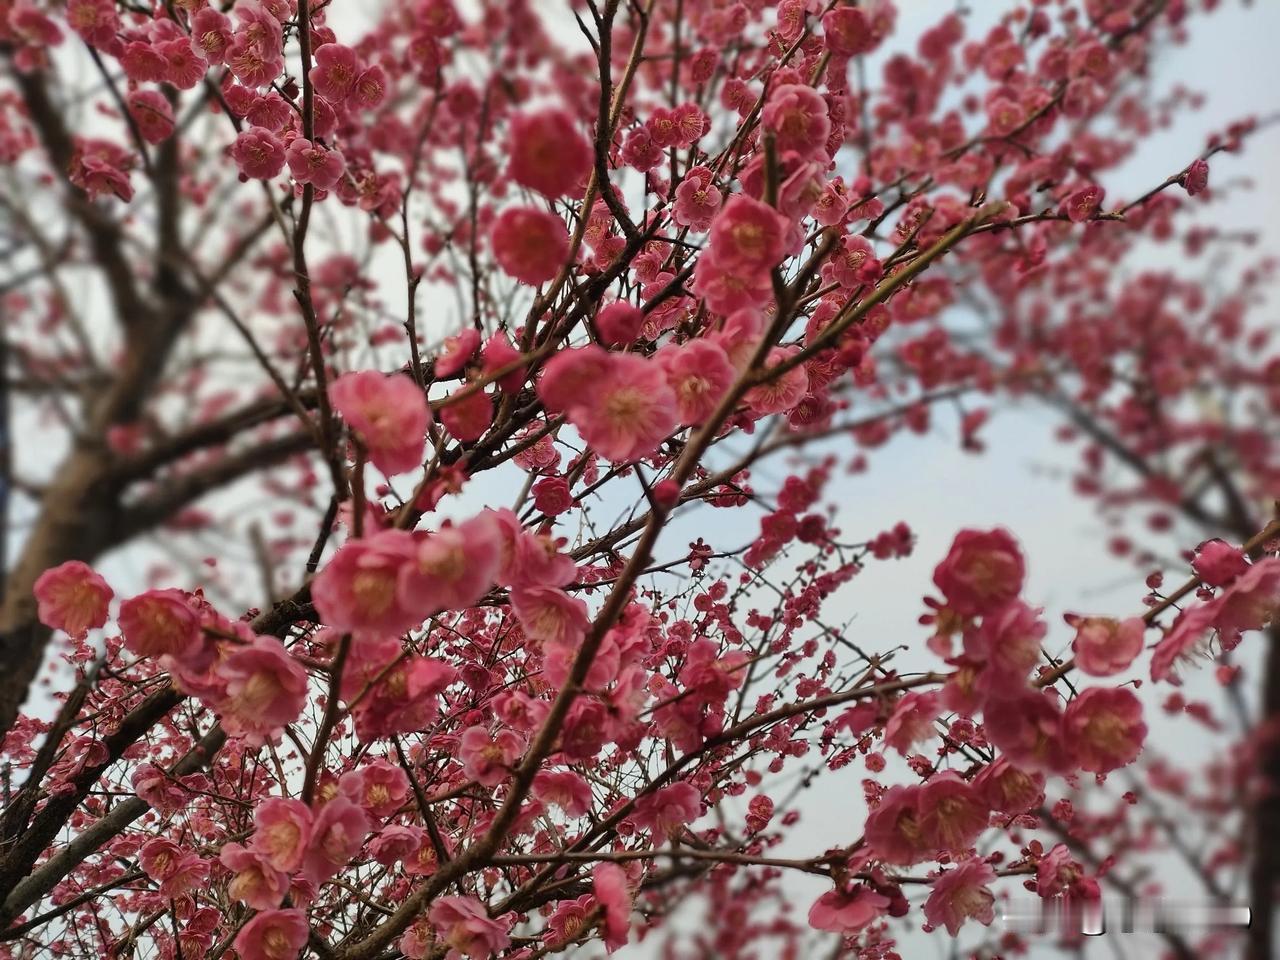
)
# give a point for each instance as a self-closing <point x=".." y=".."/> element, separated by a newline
<point x="1265" y="869"/>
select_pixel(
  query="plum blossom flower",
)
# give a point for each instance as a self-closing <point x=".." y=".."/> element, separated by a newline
<point x="266" y="689"/>
<point x="256" y="884"/>
<point x="380" y="787"/>
<point x="452" y="568"/>
<point x="152" y="114"/>
<point x="336" y="836"/>
<point x="546" y="152"/>
<point x="1027" y="728"/>
<point x="893" y="829"/>
<point x="952" y="813"/>
<point x="1218" y="563"/>
<point x="962" y="894"/>
<point x="488" y="759"/>
<point x="982" y="571"/>
<point x="1196" y="179"/>
<point x="666" y="810"/>
<point x="1104" y="646"/>
<point x="1251" y="601"/>
<point x="177" y="871"/>
<point x="530" y="244"/>
<point x="619" y="323"/>
<point x="390" y="415"/>
<point x="273" y="935"/>
<point x="281" y="832"/>
<point x="549" y="615"/>
<point x="335" y="71"/>
<point x="1007" y="789"/>
<point x="797" y="116"/>
<point x="358" y="589"/>
<point x="620" y="403"/>
<point x="912" y="721"/>
<point x="464" y="925"/>
<point x="311" y="163"/>
<point x="258" y="153"/>
<point x="612" y="892"/>
<point x="159" y="622"/>
<point x="846" y="911"/>
<point x="697" y="200"/>
<point x="1105" y="729"/>
<point x="565" y="789"/>
<point x="700" y="374"/>
<point x="100" y="167"/>
<point x="747" y="236"/>
<point x="73" y="598"/>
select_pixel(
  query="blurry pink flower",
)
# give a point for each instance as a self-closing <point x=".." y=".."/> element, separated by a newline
<point x="912" y="721"/>
<point x="390" y="415"/>
<point x="797" y="117"/>
<point x="281" y="832"/>
<point x="152" y="114"/>
<point x="396" y="843"/>
<point x="456" y="352"/>
<point x="961" y="894"/>
<point x="100" y="167"/>
<point x="1026" y="727"/>
<point x="549" y="615"/>
<point x="982" y="571"/>
<point x="612" y="892"/>
<point x="1217" y="563"/>
<point x="1251" y="601"/>
<point x="468" y="415"/>
<point x="273" y="935"/>
<point x="893" y="829"/>
<point x="71" y="597"/>
<point x="845" y="913"/>
<point x="464" y="926"/>
<point x="565" y="789"/>
<point x="1083" y="203"/>
<point x="952" y="813"/>
<point x="336" y="837"/>
<point x="781" y="392"/>
<point x="619" y="323"/>
<point x="1105" y="729"/>
<point x="666" y="810"/>
<point x="369" y="90"/>
<point x="530" y="244"/>
<point x="1008" y="643"/>
<point x="1182" y="640"/>
<point x="547" y="153"/>
<point x="159" y="622"/>
<point x="266" y="689"/>
<point x="848" y="32"/>
<point x="1104" y="646"/>
<point x="1196" y="179"/>
<point x="1005" y="788"/>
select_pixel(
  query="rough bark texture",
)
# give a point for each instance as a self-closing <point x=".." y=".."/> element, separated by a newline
<point x="1266" y="814"/>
